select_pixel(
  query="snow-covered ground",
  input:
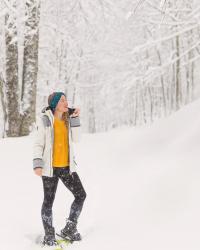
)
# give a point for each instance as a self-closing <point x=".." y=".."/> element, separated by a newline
<point x="142" y="184"/>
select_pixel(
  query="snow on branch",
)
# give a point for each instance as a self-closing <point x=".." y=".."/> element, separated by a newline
<point x="9" y="6"/>
<point x="164" y="39"/>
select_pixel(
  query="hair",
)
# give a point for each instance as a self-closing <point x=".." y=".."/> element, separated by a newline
<point x="50" y="98"/>
<point x="65" y="117"/>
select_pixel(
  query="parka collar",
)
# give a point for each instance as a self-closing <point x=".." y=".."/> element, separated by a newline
<point x="47" y="111"/>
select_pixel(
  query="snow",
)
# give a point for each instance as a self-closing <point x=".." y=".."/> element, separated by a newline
<point x="142" y="188"/>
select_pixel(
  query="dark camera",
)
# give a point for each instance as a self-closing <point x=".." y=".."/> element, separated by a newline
<point x="71" y="111"/>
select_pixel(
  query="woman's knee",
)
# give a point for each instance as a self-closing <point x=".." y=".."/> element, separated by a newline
<point x="81" y="196"/>
<point x="84" y="195"/>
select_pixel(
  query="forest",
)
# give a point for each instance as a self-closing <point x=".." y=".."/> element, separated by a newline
<point x="123" y="63"/>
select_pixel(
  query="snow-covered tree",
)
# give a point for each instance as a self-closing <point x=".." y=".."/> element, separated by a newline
<point x="18" y="92"/>
<point x="11" y="69"/>
<point x="30" y="65"/>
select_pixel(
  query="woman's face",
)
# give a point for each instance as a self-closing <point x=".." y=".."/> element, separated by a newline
<point x="62" y="105"/>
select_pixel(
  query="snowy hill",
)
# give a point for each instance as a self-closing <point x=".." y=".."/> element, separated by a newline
<point x="143" y="188"/>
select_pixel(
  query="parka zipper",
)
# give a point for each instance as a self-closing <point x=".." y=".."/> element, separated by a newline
<point x="52" y="140"/>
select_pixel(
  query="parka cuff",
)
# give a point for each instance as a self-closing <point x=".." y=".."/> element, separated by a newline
<point x="38" y="163"/>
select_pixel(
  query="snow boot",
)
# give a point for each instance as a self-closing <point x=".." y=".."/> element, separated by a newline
<point x="70" y="231"/>
<point x="49" y="241"/>
<point x="49" y="238"/>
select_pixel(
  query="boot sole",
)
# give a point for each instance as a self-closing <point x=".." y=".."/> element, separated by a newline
<point x="65" y="238"/>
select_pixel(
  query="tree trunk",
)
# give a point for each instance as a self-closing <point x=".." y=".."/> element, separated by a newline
<point x="11" y="86"/>
<point x="30" y="67"/>
<point x="3" y="104"/>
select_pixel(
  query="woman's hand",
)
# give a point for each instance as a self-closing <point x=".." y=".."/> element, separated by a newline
<point x="38" y="171"/>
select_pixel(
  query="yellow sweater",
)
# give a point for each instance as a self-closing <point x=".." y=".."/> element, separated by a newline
<point x="60" y="147"/>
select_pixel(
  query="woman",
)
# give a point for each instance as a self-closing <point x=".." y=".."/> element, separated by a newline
<point x="54" y="159"/>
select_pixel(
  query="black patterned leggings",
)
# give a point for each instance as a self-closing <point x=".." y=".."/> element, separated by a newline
<point x="73" y="183"/>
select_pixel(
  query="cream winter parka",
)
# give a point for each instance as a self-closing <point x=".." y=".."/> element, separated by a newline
<point x="43" y="143"/>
